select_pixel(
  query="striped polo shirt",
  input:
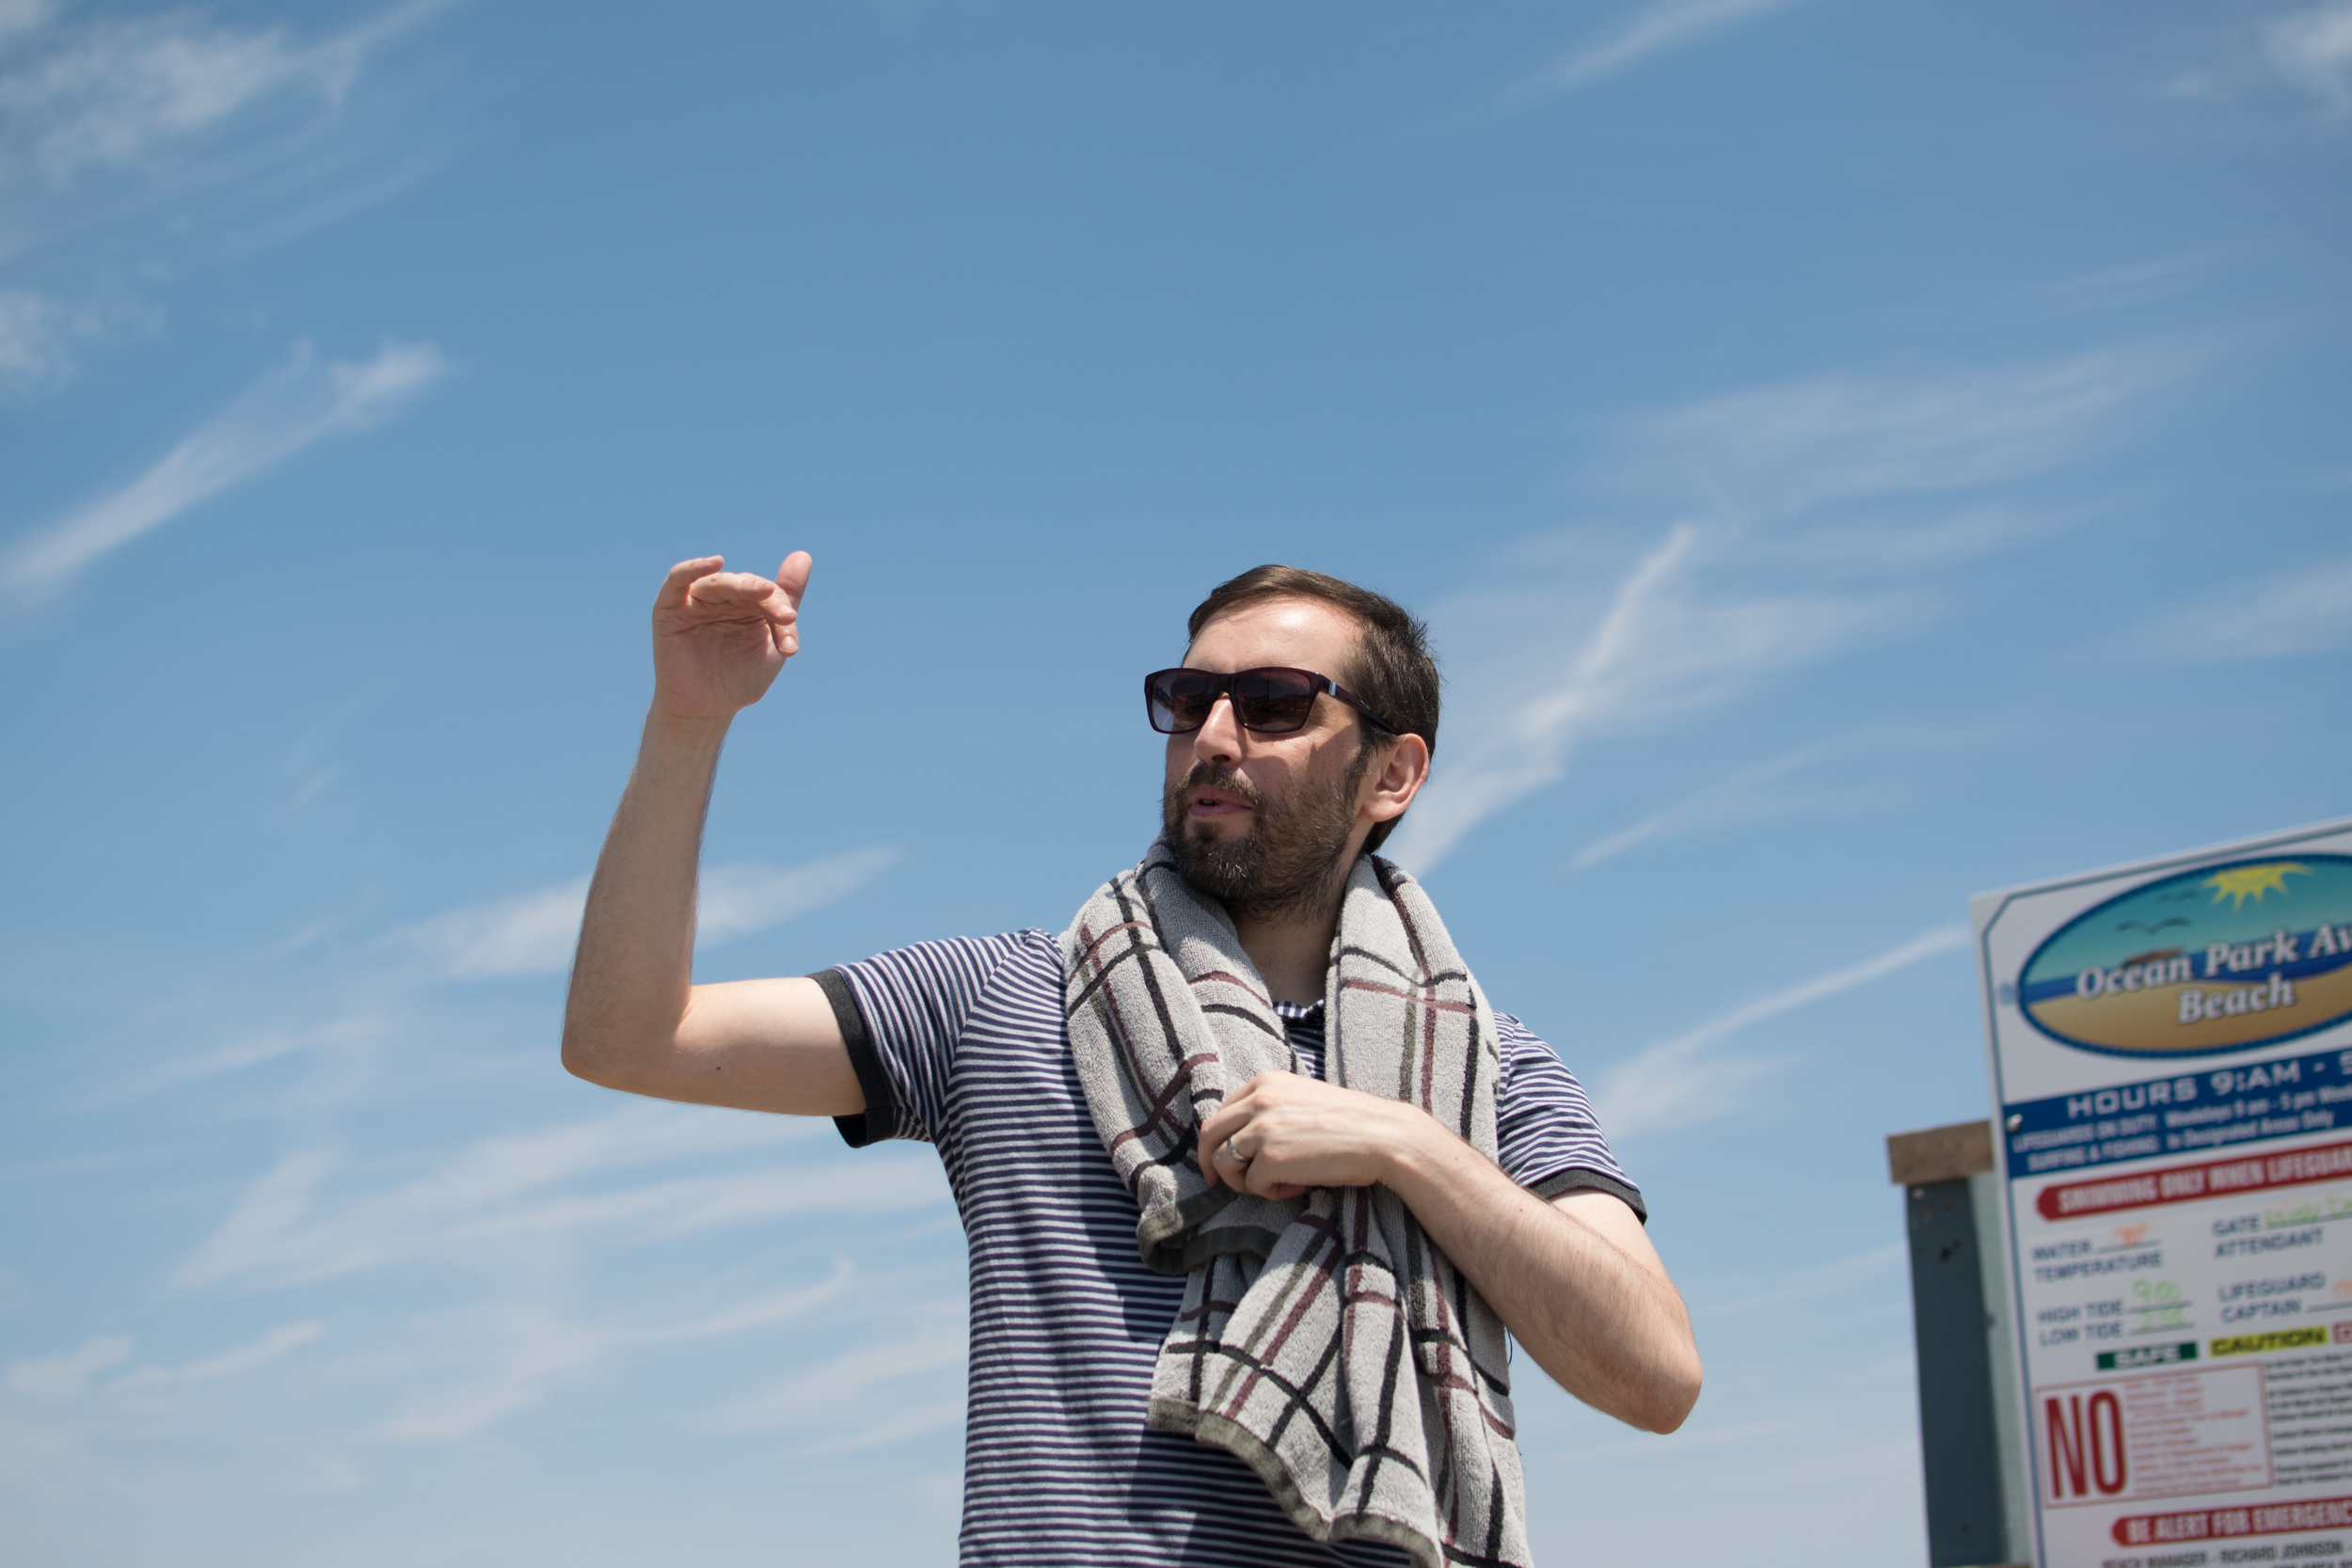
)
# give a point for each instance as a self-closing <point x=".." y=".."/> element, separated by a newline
<point x="964" y="1043"/>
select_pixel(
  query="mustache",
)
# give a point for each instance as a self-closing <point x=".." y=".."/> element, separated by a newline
<point x="1205" y="775"/>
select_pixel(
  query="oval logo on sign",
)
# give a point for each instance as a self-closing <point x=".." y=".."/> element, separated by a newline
<point x="2220" y="959"/>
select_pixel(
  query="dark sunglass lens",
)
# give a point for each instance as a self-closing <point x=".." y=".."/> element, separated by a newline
<point x="1181" y="701"/>
<point x="1273" y="701"/>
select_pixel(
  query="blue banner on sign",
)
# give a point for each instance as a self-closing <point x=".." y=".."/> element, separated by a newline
<point x="2213" y="1108"/>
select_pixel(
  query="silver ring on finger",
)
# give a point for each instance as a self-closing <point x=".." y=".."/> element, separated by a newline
<point x="1235" y="1154"/>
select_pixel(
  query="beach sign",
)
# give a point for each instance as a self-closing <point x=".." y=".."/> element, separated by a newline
<point x="2171" y="1054"/>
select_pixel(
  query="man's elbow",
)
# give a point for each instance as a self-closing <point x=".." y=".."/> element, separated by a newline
<point x="1672" y="1393"/>
<point x="589" y="1054"/>
<point x="579" y="1056"/>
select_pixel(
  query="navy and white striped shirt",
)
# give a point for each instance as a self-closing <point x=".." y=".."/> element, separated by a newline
<point x="964" y="1043"/>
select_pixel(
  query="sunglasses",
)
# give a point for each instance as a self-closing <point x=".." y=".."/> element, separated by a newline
<point x="1275" y="700"/>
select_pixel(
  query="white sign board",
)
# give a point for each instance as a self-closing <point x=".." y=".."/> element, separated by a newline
<point x="2171" y="1053"/>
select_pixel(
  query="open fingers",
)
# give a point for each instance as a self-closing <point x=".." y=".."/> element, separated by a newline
<point x="792" y="577"/>
<point x="701" y="592"/>
<point x="738" y="596"/>
<point x="705" y="581"/>
<point x="791" y="583"/>
<point x="682" y="578"/>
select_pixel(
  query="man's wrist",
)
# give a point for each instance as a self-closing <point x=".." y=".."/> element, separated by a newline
<point x="1418" y="1153"/>
<point x="693" y="731"/>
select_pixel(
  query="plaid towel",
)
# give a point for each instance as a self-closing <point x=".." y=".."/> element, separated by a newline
<point x="1323" y="1340"/>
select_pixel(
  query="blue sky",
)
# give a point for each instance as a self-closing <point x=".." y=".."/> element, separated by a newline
<point x="1852" y="458"/>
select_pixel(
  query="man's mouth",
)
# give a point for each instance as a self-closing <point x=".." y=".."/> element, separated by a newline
<point x="1216" y="802"/>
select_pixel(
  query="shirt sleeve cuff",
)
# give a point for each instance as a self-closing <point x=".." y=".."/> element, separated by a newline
<point x="1571" y="1179"/>
<point x="880" y="1120"/>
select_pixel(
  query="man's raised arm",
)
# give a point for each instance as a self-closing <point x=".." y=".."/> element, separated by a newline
<point x="635" y="1020"/>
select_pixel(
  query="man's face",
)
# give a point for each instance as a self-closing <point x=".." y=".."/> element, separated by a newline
<point x="1261" y="821"/>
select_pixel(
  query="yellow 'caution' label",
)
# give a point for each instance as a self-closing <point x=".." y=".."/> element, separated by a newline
<point x="2284" y="1338"/>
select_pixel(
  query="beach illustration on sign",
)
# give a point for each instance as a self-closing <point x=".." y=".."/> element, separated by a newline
<point x="2224" y="958"/>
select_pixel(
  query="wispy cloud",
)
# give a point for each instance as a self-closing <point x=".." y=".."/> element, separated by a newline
<point x="1664" y="645"/>
<point x="1734" y="800"/>
<point x="22" y="16"/>
<point x="1654" y="29"/>
<point x="134" y="144"/>
<point x="501" y="1231"/>
<point x="760" y="1313"/>
<point x="1667" y="1085"/>
<point x="250" y="1051"/>
<point x="1532" y="748"/>
<point x="65" y="1374"/>
<point x="1866" y="485"/>
<point x="530" y="933"/>
<point x="299" y="404"/>
<point x="2306" y="47"/>
<point x="1836" y="1277"/>
<point x="734" y="900"/>
<point x="39" y="334"/>
<point x="834" y="1397"/>
<point x="81" y="99"/>
<point x="526" y="1215"/>
<point x="2133" y="284"/>
<point x="2312" y="48"/>
<point x="1776" y="1432"/>
<point x="2304" y="611"/>
<point x="1797" y="446"/>
<point x="533" y="933"/>
<point x="534" y="1348"/>
<point x="1743" y="796"/>
<point x="523" y="1350"/>
<point x="564" y="1184"/>
<point x="278" y="1343"/>
<point x="1861" y="544"/>
<point x="114" y="92"/>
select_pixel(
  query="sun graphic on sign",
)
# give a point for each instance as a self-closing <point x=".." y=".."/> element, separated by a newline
<point x="2241" y="882"/>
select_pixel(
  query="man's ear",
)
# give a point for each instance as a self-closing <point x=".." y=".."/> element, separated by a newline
<point x="1393" y="781"/>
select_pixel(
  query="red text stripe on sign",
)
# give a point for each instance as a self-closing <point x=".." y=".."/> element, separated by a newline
<point x="2186" y="1183"/>
<point x="2209" y="1524"/>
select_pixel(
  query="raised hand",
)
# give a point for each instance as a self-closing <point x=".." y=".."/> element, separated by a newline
<point x="719" y="636"/>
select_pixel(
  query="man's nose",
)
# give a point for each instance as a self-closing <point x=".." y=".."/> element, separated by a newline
<point x="1218" y="738"/>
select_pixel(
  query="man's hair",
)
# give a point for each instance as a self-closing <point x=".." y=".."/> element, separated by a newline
<point x="1391" y="667"/>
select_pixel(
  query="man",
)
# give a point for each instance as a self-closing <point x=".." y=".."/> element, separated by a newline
<point x="1226" y="1307"/>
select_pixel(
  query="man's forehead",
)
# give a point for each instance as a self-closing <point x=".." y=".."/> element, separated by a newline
<point x="1306" y="633"/>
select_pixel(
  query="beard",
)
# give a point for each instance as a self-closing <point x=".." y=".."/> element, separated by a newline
<point x="1283" y="864"/>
